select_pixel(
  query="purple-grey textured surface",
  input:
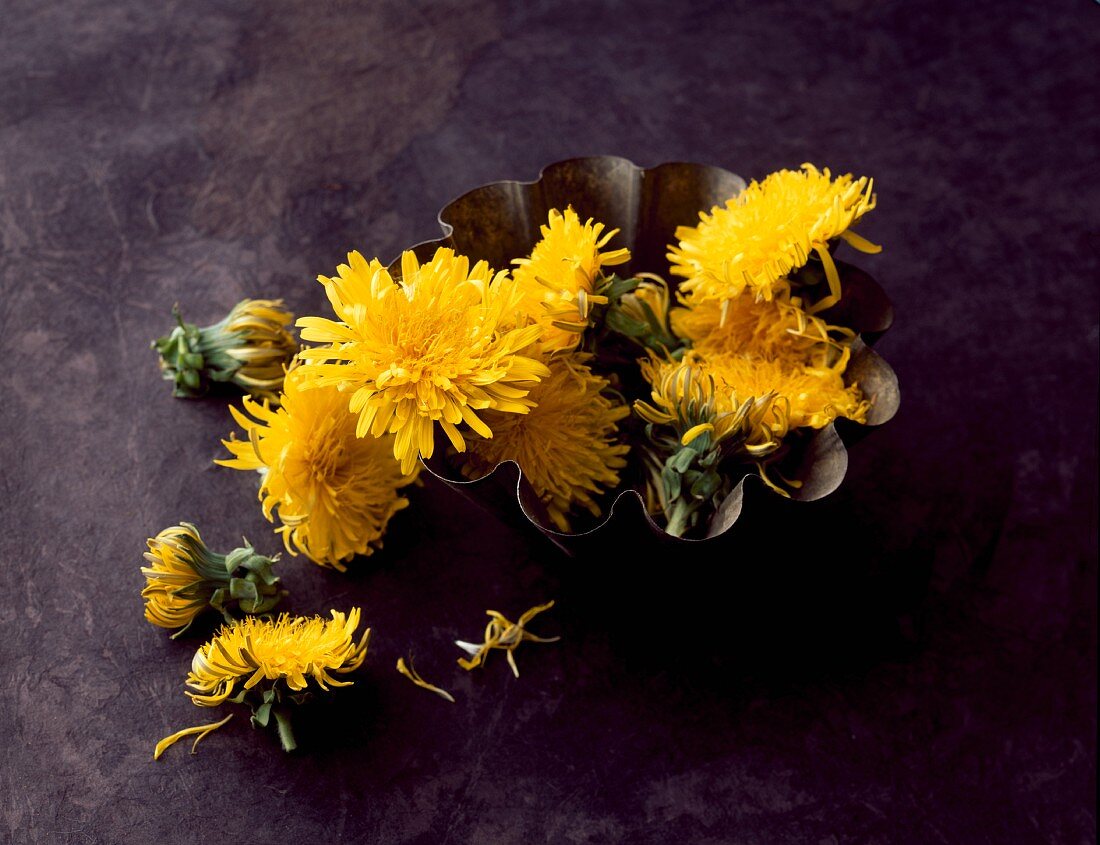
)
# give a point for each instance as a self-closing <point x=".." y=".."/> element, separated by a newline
<point x="911" y="660"/>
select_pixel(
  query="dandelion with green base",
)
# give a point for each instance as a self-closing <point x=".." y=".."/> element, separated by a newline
<point x="562" y="281"/>
<point x="273" y="665"/>
<point x="250" y="348"/>
<point x="185" y="579"/>
<point x="693" y="428"/>
<point x="436" y="347"/>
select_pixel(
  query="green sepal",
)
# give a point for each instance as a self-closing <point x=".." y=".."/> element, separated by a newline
<point x="706" y="485"/>
<point x="615" y="287"/>
<point x="252" y="580"/>
<point x="192" y="360"/>
<point x="286" y="732"/>
<point x="192" y="357"/>
<point x="683" y="459"/>
<point x="623" y="324"/>
<point x="261" y="714"/>
<point x="241" y="588"/>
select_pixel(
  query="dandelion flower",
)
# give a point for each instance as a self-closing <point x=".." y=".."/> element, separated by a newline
<point x="645" y="314"/>
<point x="566" y="446"/>
<point x="270" y="664"/>
<point x="769" y="231"/>
<point x="758" y="327"/>
<point x="692" y="428"/>
<point x="184" y="579"/>
<point x="289" y="650"/>
<point x="249" y="348"/>
<point x="561" y="280"/>
<point x="814" y="395"/>
<point x="333" y="492"/>
<point x="432" y="348"/>
<point x="505" y="635"/>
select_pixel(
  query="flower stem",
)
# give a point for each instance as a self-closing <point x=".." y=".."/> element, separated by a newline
<point x="678" y="518"/>
<point x="286" y="733"/>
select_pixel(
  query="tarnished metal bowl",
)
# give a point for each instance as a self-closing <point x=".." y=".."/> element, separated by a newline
<point x="500" y="221"/>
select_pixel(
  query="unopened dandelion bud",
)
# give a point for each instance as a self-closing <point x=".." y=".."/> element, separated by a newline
<point x="251" y="348"/>
<point x="643" y="314"/>
<point x="185" y="579"/>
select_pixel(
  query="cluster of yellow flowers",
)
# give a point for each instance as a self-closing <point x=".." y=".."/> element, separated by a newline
<point x="493" y="359"/>
<point x="541" y="364"/>
<point x="755" y="362"/>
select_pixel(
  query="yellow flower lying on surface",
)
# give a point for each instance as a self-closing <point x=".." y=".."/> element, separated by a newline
<point x="566" y="445"/>
<point x="293" y="650"/>
<point x="269" y="664"/>
<point x="333" y="492"/>
<point x="432" y="348"/>
<point x="560" y="279"/>
<point x="184" y="579"/>
<point x="502" y="634"/>
<point x="770" y="230"/>
<point x="249" y="348"/>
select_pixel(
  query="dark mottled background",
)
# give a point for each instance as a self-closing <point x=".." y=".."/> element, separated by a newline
<point x="911" y="660"/>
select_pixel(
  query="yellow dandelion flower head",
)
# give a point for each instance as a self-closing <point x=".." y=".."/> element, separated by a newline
<point x="334" y="493"/>
<point x="173" y="574"/>
<point x="811" y="396"/>
<point x="435" y="347"/>
<point x="686" y="397"/>
<point x="250" y="348"/>
<point x="265" y="344"/>
<point x="653" y="293"/>
<point x="566" y="446"/>
<point x="291" y="649"/>
<point x="558" y="280"/>
<point x="650" y="303"/>
<point x="768" y="231"/>
<point x="759" y="327"/>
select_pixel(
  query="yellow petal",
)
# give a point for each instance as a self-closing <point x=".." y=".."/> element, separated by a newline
<point x="201" y="730"/>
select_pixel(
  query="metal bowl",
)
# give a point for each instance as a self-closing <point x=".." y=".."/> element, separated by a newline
<point x="500" y="221"/>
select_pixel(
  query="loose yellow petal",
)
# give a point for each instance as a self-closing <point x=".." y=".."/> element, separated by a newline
<point x="502" y="634"/>
<point x="201" y="730"/>
<point x="409" y="672"/>
<point x="694" y="432"/>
